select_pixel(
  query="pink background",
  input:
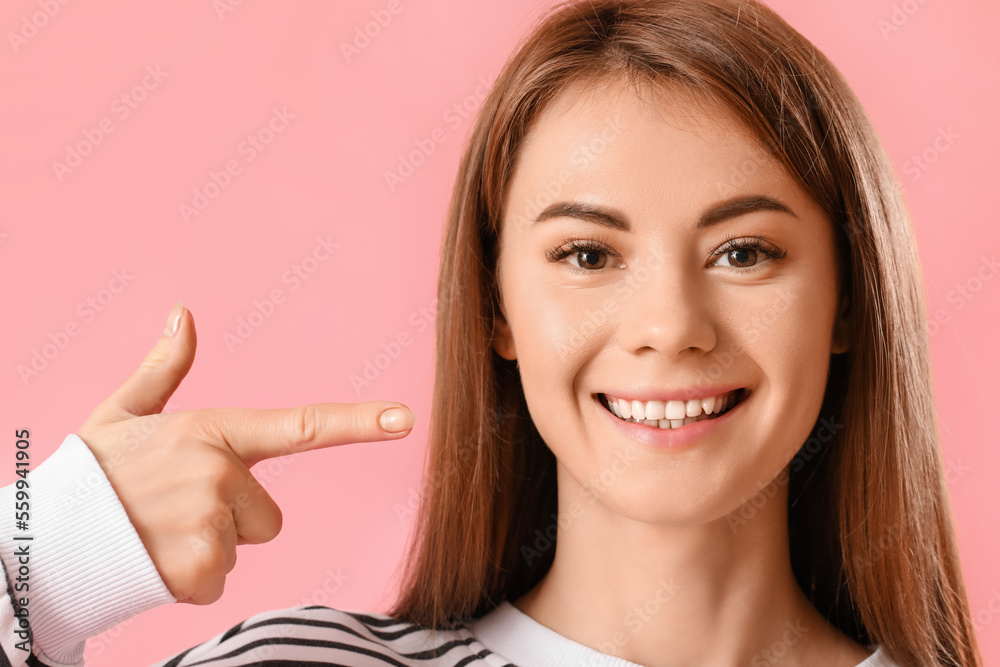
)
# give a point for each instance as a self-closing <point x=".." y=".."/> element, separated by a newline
<point x="61" y="239"/>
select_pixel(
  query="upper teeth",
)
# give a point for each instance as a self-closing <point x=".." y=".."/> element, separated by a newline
<point x="626" y="408"/>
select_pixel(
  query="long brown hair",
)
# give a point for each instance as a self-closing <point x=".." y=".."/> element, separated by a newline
<point x="870" y="528"/>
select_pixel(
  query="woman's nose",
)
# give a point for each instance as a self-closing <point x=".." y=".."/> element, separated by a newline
<point x="664" y="307"/>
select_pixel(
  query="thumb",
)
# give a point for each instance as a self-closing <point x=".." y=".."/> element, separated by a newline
<point x="150" y="387"/>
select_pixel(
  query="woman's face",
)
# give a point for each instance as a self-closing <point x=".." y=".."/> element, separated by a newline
<point x="657" y="306"/>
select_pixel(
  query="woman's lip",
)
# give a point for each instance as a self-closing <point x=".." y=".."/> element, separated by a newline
<point x="678" y="438"/>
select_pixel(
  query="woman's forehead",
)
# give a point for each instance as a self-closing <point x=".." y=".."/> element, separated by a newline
<point x="639" y="143"/>
<point x="671" y="102"/>
<point x="593" y="123"/>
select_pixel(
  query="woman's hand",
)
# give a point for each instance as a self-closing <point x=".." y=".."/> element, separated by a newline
<point x="184" y="477"/>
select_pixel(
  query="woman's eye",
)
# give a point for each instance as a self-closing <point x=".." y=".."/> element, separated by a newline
<point x="583" y="256"/>
<point x="745" y="254"/>
<point x="740" y="257"/>
<point x="589" y="259"/>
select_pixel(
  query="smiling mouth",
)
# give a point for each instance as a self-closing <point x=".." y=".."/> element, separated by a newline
<point x="732" y="399"/>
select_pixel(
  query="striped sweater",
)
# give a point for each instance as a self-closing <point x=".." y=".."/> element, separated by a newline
<point x="113" y="578"/>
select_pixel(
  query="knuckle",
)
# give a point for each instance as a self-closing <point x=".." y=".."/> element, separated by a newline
<point x="131" y="406"/>
<point x="221" y="517"/>
<point x="305" y="423"/>
<point x="155" y="359"/>
<point x="213" y="561"/>
<point x="214" y="469"/>
<point x="209" y="533"/>
<point x="199" y="425"/>
<point x="186" y="422"/>
<point x="182" y="431"/>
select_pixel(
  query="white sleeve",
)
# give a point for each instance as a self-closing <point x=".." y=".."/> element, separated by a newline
<point x="83" y="570"/>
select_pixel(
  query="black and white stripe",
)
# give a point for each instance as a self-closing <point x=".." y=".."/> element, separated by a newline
<point x="316" y="635"/>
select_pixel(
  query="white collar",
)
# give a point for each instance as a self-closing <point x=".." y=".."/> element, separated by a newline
<point x="509" y="632"/>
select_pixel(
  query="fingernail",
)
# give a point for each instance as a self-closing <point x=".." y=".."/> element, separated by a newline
<point x="396" y="420"/>
<point x="173" y="320"/>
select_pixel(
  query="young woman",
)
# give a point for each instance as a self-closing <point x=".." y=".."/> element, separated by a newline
<point x="683" y="409"/>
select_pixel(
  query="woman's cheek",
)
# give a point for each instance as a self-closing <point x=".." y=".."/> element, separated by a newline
<point x="562" y="325"/>
<point x="555" y="339"/>
<point x="795" y="356"/>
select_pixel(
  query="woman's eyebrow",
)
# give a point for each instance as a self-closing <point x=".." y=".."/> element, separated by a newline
<point x="615" y="219"/>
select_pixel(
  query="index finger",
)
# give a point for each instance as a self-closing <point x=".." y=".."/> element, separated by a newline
<point x="258" y="434"/>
